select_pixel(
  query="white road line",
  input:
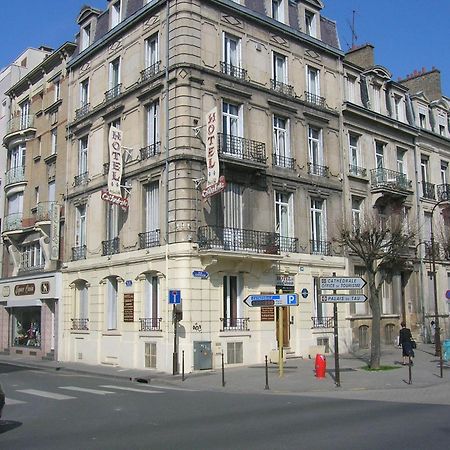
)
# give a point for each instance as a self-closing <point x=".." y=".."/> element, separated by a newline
<point x="171" y="388"/>
<point x="90" y="391"/>
<point x="46" y="394"/>
<point x="122" y="388"/>
<point x="11" y="401"/>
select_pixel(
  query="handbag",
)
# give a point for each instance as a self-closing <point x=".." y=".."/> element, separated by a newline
<point x="413" y="343"/>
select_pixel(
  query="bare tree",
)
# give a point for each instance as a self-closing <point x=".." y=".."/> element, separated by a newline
<point x="382" y="244"/>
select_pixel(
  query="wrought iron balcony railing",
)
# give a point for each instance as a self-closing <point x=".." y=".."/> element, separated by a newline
<point x="314" y="99"/>
<point x="320" y="247"/>
<point x="357" y="171"/>
<point x="81" y="179"/>
<point x="443" y="192"/>
<point x="82" y="111"/>
<point x="150" y="151"/>
<point x="44" y="210"/>
<point x="19" y="123"/>
<point x="318" y="170"/>
<point x="113" y="92"/>
<point x="429" y="190"/>
<point x="149" y="239"/>
<point x="110" y="247"/>
<point x="283" y="161"/>
<point x="234" y="323"/>
<point x="322" y="322"/>
<point x="150" y="71"/>
<point x="234" y="71"/>
<point x="289" y="244"/>
<point x="389" y="179"/>
<point x="238" y="240"/>
<point x="12" y="222"/>
<point x="150" y="323"/>
<point x="282" y="88"/>
<point x="242" y="148"/>
<point x="79" y="252"/>
<point x="80" y="324"/>
<point x="15" y="175"/>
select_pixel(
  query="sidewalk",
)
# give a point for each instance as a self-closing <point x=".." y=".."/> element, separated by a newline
<point x="299" y="375"/>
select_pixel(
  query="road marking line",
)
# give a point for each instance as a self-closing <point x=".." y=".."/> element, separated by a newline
<point x="90" y="391"/>
<point x="146" y="391"/>
<point x="46" y="394"/>
<point x="11" y="401"/>
<point x="171" y="388"/>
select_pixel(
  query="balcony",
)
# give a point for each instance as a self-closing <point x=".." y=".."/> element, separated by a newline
<point x="238" y="240"/>
<point x="150" y="324"/>
<point x="289" y="244"/>
<point x="285" y="162"/>
<point x="241" y="148"/>
<point x="320" y="247"/>
<point x="110" y="247"/>
<point x="80" y="324"/>
<point x="78" y="253"/>
<point x="20" y="123"/>
<point x="233" y="71"/>
<point x="322" y="322"/>
<point x="314" y="99"/>
<point x="81" y="179"/>
<point x="357" y="171"/>
<point x="149" y="239"/>
<point x="150" y="151"/>
<point x="43" y="211"/>
<point x="429" y="190"/>
<point x="282" y="88"/>
<point x="15" y="175"/>
<point x="443" y="192"/>
<point x="13" y="222"/>
<point x="389" y="180"/>
<point x="113" y="92"/>
<point x="83" y="111"/>
<point x="234" y="324"/>
<point x="149" y="72"/>
<point x="317" y="170"/>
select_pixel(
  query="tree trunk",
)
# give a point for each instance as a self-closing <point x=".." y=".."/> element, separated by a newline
<point x="374" y="301"/>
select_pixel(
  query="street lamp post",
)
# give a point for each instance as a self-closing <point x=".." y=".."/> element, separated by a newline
<point x="437" y="337"/>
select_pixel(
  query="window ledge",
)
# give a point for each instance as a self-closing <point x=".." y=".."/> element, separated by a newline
<point x="111" y="333"/>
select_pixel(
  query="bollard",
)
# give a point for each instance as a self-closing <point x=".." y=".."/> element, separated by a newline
<point x="182" y="367"/>
<point x="410" y="370"/>
<point x="223" y="372"/>
<point x="267" y="375"/>
<point x="320" y="366"/>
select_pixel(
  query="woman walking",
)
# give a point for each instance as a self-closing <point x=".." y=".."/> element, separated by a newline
<point x="405" y="340"/>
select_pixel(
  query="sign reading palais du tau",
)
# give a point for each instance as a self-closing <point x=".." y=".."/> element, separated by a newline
<point x="214" y="183"/>
<point x="114" y="194"/>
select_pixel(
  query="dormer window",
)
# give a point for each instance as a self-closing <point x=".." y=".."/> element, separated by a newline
<point x="398" y="108"/>
<point x="116" y="13"/>
<point x="278" y="10"/>
<point x="422" y="117"/>
<point x="310" y="23"/>
<point x="85" y="37"/>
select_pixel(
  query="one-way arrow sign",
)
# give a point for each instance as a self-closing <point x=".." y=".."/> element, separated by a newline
<point x="342" y="283"/>
<point x="342" y="298"/>
<point x="272" y="300"/>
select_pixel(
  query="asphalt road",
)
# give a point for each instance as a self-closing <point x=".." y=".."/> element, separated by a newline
<point x="57" y="410"/>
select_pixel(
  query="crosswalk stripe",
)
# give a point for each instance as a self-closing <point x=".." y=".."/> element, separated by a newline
<point x="11" y="401"/>
<point x="90" y="391"/>
<point x="122" y="388"/>
<point x="52" y="395"/>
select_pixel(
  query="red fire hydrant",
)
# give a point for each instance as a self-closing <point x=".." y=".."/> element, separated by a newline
<point x="321" y="366"/>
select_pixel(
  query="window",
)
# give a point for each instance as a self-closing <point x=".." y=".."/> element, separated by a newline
<point x="32" y="256"/>
<point x="313" y="81"/>
<point x="84" y="92"/>
<point x="51" y="189"/>
<point x="116" y="13"/>
<point x="351" y="88"/>
<point x="151" y="309"/>
<point x="150" y="350"/>
<point x="281" y="144"/>
<point x="83" y="156"/>
<point x="398" y="108"/>
<point x="152" y="130"/>
<point x="57" y="89"/>
<point x="112" y="223"/>
<point x="441" y="124"/>
<point x="319" y="308"/>
<point x="363" y="336"/>
<point x="279" y="69"/>
<point x="111" y="305"/>
<point x="361" y="309"/>
<point x="377" y="98"/>
<point x="231" y="129"/>
<point x="444" y="172"/>
<point x="354" y="153"/>
<point x="17" y="156"/>
<point x="232" y="217"/>
<point x="36" y="195"/>
<point x="424" y="169"/>
<point x="234" y="353"/>
<point x="82" y="305"/>
<point x="387" y="302"/>
<point x="283" y="214"/>
<point x="232" y="300"/>
<point x="422" y="117"/>
<point x="80" y="226"/>
<point x="315" y="151"/>
<point x="356" y="213"/>
<point x="151" y="215"/>
<point x="151" y="52"/>
<point x="231" y="55"/>
<point x="379" y="155"/>
<point x="25" y="118"/>
<point x="85" y="37"/>
<point x="15" y="204"/>
<point x="26" y="326"/>
<point x="54" y="141"/>
<point x="114" y="73"/>
<point x="310" y="23"/>
<point x="401" y="166"/>
<point x="278" y="10"/>
<point x="318" y="227"/>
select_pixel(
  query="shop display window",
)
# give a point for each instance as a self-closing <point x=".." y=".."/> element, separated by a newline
<point x="26" y="329"/>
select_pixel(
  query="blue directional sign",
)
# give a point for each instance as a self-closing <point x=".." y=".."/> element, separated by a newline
<point x="174" y="297"/>
<point x="272" y="300"/>
<point x="200" y="274"/>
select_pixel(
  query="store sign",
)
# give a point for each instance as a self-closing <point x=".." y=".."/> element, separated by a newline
<point x="128" y="307"/>
<point x="115" y="161"/>
<point x="54" y="232"/>
<point x="214" y="189"/>
<point x="24" y="289"/>
<point x="285" y="281"/>
<point x="267" y="313"/>
<point x="114" y="199"/>
<point x="212" y="147"/>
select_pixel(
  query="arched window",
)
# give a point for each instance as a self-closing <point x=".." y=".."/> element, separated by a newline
<point x="363" y="334"/>
<point x="389" y="334"/>
<point x="80" y="321"/>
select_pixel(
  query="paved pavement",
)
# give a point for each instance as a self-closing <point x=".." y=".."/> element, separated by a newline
<point x="298" y="377"/>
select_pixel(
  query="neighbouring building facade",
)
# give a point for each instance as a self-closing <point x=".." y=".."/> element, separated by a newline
<point x="214" y="150"/>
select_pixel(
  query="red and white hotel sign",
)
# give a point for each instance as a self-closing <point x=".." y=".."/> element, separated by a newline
<point x="114" y="199"/>
<point x="215" y="188"/>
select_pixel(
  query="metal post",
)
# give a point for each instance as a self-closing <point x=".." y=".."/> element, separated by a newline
<point x="267" y="375"/>
<point x="410" y="370"/>
<point x="223" y="372"/>
<point x="280" y="341"/>
<point x="337" y="374"/>
<point x="175" y="347"/>
<point x="182" y="365"/>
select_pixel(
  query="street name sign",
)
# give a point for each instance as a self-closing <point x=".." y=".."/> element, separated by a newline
<point x="343" y="298"/>
<point x="342" y="283"/>
<point x="272" y="300"/>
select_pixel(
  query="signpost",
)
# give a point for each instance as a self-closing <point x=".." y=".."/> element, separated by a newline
<point x="342" y="283"/>
<point x="343" y="298"/>
<point x="175" y="299"/>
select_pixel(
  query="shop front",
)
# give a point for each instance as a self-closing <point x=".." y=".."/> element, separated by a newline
<point x="28" y="315"/>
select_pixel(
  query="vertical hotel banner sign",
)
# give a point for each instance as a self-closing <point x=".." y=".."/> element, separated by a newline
<point x="214" y="182"/>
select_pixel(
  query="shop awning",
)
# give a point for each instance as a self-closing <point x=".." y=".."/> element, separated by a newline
<point x="24" y="302"/>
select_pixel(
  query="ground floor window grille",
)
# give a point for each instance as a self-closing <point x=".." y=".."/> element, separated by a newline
<point x="150" y="355"/>
<point x="325" y="342"/>
<point x="234" y="353"/>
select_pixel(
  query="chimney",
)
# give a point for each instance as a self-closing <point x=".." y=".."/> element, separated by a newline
<point x="362" y="56"/>
<point x="427" y="82"/>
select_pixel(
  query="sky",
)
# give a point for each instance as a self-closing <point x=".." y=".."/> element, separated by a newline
<point x="407" y="34"/>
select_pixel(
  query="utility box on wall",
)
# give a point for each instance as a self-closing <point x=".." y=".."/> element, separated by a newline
<point x="202" y="355"/>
